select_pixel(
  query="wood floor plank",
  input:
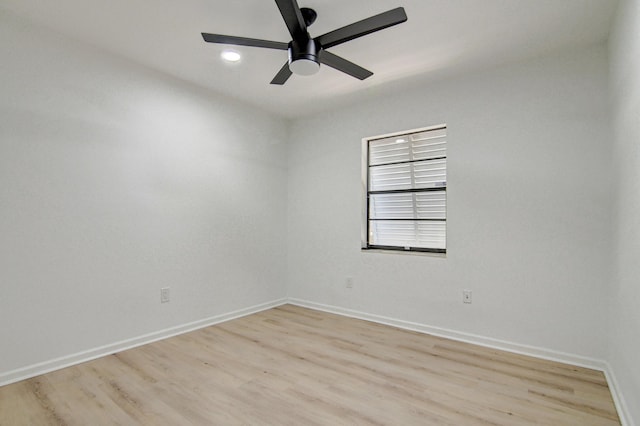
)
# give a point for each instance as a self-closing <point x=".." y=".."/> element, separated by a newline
<point x="293" y="366"/>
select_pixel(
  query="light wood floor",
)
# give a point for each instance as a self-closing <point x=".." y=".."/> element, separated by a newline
<point x="295" y="366"/>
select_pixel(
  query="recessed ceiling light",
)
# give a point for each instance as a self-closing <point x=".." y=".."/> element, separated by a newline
<point x="230" y="56"/>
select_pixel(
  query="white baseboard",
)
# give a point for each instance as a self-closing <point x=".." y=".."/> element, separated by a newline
<point x="91" y="354"/>
<point x="476" y="339"/>
<point x="618" y="398"/>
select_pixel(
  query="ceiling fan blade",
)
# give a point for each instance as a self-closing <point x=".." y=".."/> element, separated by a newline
<point x="341" y="64"/>
<point x="362" y="28"/>
<point x="244" y="41"/>
<point x="292" y="16"/>
<point x="283" y="75"/>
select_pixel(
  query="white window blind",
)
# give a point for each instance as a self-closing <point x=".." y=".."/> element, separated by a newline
<point x="406" y="176"/>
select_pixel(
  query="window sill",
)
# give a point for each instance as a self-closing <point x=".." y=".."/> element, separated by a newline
<point x="404" y="252"/>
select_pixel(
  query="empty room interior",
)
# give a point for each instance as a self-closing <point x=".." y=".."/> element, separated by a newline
<point x="325" y="212"/>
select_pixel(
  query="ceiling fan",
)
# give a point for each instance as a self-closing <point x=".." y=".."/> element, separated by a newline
<point x="306" y="53"/>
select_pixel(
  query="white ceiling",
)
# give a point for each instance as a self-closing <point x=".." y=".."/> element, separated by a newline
<point x="440" y="37"/>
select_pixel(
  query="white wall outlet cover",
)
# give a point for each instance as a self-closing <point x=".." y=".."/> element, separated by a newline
<point x="165" y="295"/>
<point x="349" y="282"/>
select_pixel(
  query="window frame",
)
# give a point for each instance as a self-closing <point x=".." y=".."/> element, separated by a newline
<point x="365" y="158"/>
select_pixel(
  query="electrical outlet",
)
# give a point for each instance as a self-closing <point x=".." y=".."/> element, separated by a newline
<point x="349" y="282"/>
<point x="165" y="296"/>
<point x="466" y="296"/>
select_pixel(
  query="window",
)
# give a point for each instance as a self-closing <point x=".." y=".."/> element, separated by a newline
<point x="405" y="176"/>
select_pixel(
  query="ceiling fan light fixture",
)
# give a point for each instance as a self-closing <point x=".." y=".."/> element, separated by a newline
<point x="303" y="57"/>
<point x="304" y="67"/>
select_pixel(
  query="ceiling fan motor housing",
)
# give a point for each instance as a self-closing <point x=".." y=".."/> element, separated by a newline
<point x="303" y="57"/>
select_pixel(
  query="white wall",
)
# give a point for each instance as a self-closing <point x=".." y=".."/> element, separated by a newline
<point x="116" y="181"/>
<point x="624" y="335"/>
<point x="528" y="206"/>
